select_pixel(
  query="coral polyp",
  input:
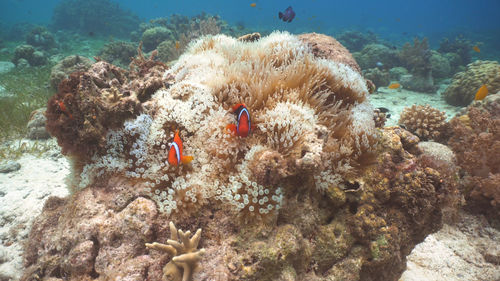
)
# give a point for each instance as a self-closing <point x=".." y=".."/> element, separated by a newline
<point x="310" y="113"/>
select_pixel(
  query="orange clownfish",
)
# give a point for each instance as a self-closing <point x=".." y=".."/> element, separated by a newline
<point x="243" y="125"/>
<point x="175" y="152"/>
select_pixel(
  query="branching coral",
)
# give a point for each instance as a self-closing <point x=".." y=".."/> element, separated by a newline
<point x="465" y="84"/>
<point x="424" y="121"/>
<point x="416" y="57"/>
<point x="184" y="252"/>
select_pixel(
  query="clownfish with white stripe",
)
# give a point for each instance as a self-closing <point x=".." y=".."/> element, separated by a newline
<point x="243" y="125"/>
<point x="175" y="152"/>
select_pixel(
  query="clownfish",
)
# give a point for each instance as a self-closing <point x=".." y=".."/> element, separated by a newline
<point x="175" y="152"/>
<point x="243" y="124"/>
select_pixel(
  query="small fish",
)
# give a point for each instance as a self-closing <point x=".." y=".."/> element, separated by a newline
<point x="481" y="93"/>
<point x="64" y="109"/>
<point x="287" y="15"/>
<point x="476" y="48"/>
<point x="394" y="86"/>
<point x="379" y="64"/>
<point x="175" y="152"/>
<point x="243" y="124"/>
<point x="177" y="45"/>
<point x="253" y="5"/>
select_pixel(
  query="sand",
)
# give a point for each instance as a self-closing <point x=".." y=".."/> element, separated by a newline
<point x="22" y="195"/>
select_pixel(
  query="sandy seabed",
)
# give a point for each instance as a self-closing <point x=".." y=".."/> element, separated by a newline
<point x="466" y="250"/>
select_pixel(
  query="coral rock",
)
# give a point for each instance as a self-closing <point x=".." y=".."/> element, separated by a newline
<point x="36" y="125"/>
<point x="464" y="85"/>
<point x="313" y="193"/>
<point x="66" y="66"/>
<point x="324" y="46"/>
<point x="476" y="142"/>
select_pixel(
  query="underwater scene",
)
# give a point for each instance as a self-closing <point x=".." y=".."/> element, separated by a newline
<point x="249" y="140"/>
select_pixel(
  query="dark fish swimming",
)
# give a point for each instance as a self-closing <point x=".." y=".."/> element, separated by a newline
<point x="288" y="15"/>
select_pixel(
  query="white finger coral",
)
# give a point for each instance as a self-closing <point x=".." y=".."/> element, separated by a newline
<point x="184" y="252"/>
<point x="311" y="120"/>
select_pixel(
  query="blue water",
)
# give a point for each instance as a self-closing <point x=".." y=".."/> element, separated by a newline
<point x="389" y="16"/>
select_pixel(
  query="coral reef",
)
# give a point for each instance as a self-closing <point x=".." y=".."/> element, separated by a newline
<point x="379" y="77"/>
<point x="66" y="66"/>
<point x="476" y="142"/>
<point x="355" y="41"/>
<point x="465" y="84"/>
<point x="417" y="59"/>
<point x="440" y="65"/>
<point x="29" y="54"/>
<point x="90" y="103"/>
<point x="371" y="54"/>
<point x="315" y="192"/>
<point x="396" y="73"/>
<point x="41" y="37"/>
<point x="36" y="125"/>
<point x="184" y="252"/>
<point x="426" y="122"/>
<point x="183" y="31"/>
<point x="153" y="36"/>
<point x="118" y="53"/>
<point x="459" y="46"/>
<point x="380" y="118"/>
<point x="103" y="17"/>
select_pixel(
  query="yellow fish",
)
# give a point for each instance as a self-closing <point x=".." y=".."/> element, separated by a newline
<point x="481" y="93"/>
<point x="253" y="5"/>
<point x="177" y="45"/>
<point x="476" y="48"/>
<point x="394" y="86"/>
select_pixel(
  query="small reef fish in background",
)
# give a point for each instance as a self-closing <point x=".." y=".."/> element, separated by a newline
<point x="288" y="15"/>
<point x="481" y="93"/>
<point x="243" y="124"/>
<point x="476" y="48"/>
<point x="379" y="64"/>
<point x="253" y="5"/>
<point x="177" y="45"/>
<point x="394" y="86"/>
<point x="175" y="152"/>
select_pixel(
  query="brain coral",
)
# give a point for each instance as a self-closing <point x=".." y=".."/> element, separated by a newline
<point x="465" y="84"/>
<point x="301" y="105"/>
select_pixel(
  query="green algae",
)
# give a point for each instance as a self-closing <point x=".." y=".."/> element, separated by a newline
<point x="27" y="90"/>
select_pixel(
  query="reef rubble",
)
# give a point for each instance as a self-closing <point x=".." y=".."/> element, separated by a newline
<point x="316" y="192"/>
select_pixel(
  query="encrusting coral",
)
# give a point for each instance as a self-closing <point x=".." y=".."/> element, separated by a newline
<point x="300" y="105"/>
<point x="314" y="192"/>
<point x="426" y="122"/>
<point x="476" y="142"/>
<point x="463" y="87"/>
<point x="185" y="255"/>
